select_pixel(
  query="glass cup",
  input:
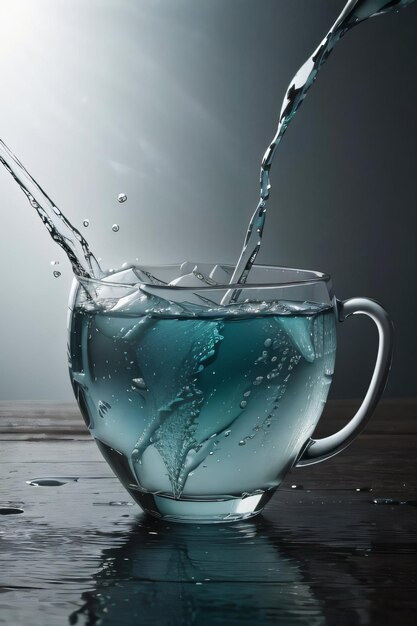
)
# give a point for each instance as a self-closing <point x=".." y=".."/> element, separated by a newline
<point x="202" y="397"/>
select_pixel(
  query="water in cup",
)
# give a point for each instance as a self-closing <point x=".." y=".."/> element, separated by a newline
<point x="202" y="401"/>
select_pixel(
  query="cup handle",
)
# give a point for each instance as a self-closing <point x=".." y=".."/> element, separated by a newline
<point x="316" y="450"/>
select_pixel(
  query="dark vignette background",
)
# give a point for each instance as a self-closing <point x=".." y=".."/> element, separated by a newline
<point x="174" y="102"/>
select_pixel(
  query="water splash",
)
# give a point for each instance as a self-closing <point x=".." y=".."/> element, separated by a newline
<point x="59" y="227"/>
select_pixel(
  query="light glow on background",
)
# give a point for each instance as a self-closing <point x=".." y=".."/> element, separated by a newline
<point x="173" y="102"/>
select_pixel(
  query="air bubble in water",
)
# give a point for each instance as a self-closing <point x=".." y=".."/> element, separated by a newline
<point x="115" y="228"/>
<point x="268" y="343"/>
<point x="138" y="383"/>
<point x="243" y="404"/>
<point x="86" y="223"/>
<point x="227" y="433"/>
<point x="122" y="197"/>
<point x="57" y="274"/>
<point x="242" y="442"/>
<point x="258" y="380"/>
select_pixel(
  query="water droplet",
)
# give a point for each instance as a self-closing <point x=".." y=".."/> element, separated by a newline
<point x="243" y="404"/>
<point x="297" y="487"/>
<point x="54" y="262"/>
<point x="392" y="502"/>
<point x="242" y="442"/>
<point x="86" y="223"/>
<point x="138" y="383"/>
<point x="122" y="197"/>
<point x="10" y="510"/>
<point x="52" y="481"/>
<point x="227" y="433"/>
<point x="258" y="380"/>
<point x="268" y="343"/>
<point x="246" y="394"/>
<point x="115" y="228"/>
<point x="56" y="274"/>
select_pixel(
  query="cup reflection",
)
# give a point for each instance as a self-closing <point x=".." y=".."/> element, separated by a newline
<point x="198" y="574"/>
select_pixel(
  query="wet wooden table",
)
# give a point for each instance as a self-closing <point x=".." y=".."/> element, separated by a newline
<point x="336" y="545"/>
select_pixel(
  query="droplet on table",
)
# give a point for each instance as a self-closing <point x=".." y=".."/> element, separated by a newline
<point x="10" y="510"/>
<point x="86" y="223"/>
<point x="56" y="274"/>
<point x="115" y="228"/>
<point x="122" y="197"/>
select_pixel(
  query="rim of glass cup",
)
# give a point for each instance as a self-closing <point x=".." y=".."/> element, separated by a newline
<point x="316" y="277"/>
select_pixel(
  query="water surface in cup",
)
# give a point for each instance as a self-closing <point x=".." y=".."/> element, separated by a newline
<point x="199" y="406"/>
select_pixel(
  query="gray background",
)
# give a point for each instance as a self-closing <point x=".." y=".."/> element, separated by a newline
<point x="174" y="102"/>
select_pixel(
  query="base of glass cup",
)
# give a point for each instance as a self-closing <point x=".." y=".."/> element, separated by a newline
<point x="202" y="511"/>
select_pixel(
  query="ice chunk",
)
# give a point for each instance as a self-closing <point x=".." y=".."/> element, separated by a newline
<point x="119" y="327"/>
<point x="194" y="278"/>
<point x="187" y="267"/>
<point x="188" y="280"/>
<point x="220" y="275"/>
<point x="132" y="275"/>
<point x="125" y="276"/>
<point x="300" y="331"/>
<point x="135" y="303"/>
<point x="145" y="276"/>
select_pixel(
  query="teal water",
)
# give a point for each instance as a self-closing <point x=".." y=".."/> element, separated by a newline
<point x="203" y="407"/>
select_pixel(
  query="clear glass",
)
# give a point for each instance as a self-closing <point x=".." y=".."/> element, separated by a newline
<point x="201" y="407"/>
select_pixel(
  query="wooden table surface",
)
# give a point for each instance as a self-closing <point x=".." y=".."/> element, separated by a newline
<point x="338" y="549"/>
